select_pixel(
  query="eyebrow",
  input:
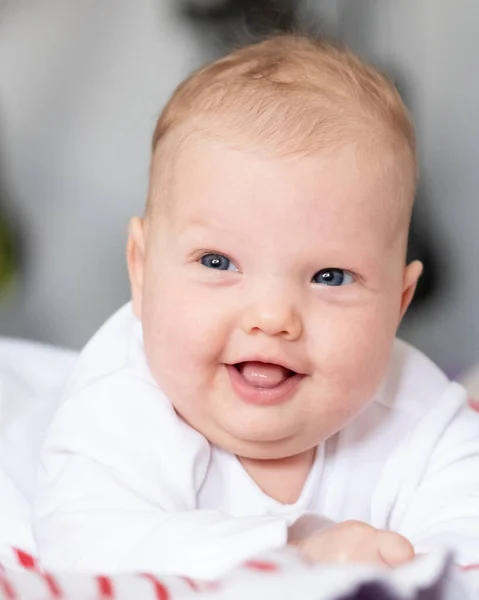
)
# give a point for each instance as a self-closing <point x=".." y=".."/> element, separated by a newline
<point x="199" y="224"/>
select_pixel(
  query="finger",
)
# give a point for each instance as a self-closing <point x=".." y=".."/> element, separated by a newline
<point x="394" y="549"/>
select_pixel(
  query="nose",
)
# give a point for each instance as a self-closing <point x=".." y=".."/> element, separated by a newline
<point x="275" y="317"/>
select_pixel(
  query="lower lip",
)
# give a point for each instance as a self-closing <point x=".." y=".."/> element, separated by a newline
<point x="263" y="396"/>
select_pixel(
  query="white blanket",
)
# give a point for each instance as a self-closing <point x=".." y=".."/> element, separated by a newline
<point x="30" y="378"/>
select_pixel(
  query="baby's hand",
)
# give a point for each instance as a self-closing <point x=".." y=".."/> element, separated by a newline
<point x="353" y="541"/>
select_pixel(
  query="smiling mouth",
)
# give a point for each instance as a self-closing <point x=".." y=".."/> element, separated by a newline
<point x="263" y="375"/>
<point x="263" y="384"/>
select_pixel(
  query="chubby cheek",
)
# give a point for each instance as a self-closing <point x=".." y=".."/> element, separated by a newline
<point x="184" y="335"/>
<point x="352" y="355"/>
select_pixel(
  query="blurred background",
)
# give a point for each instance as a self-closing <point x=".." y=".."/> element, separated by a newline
<point x="82" y="83"/>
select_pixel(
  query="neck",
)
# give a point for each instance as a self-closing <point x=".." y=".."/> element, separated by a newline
<point x="282" y="479"/>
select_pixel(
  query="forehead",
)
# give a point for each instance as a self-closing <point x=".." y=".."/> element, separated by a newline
<point x="345" y="191"/>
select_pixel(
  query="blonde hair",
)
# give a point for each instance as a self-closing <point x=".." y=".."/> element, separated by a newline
<point x="290" y="95"/>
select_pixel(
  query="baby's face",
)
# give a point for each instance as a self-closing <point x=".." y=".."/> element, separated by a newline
<point x="270" y="291"/>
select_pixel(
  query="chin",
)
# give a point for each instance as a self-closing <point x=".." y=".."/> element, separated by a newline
<point x="255" y="445"/>
<point x="258" y="433"/>
<point x="269" y="451"/>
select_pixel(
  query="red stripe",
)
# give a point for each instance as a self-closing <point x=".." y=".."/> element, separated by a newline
<point x="262" y="565"/>
<point x="202" y="586"/>
<point x="52" y="584"/>
<point x="105" y="587"/>
<point x="7" y="588"/>
<point x="470" y="568"/>
<point x="26" y="560"/>
<point x="191" y="584"/>
<point x="161" y="592"/>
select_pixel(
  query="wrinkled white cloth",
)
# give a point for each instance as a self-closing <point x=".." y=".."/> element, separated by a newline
<point x="124" y="484"/>
<point x="31" y="378"/>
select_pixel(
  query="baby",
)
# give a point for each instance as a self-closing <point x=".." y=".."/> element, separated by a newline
<point x="253" y="396"/>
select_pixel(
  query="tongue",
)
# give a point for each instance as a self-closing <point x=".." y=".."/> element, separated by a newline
<point x="264" y="375"/>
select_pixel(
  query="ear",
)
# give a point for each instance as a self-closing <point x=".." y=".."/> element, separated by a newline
<point x="135" y="257"/>
<point x="412" y="273"/>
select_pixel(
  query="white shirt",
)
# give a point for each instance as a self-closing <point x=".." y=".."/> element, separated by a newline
<point x="125" y="484"/>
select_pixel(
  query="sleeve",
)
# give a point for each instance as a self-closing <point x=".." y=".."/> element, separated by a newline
<point x="441" y="494"/>
<point x="117" y="491"/>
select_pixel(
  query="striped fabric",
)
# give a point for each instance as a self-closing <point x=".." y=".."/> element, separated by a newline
<point x="281" y="576"/>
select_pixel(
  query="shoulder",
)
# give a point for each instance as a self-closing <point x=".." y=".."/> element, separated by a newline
<point x="113" y="413"/>
<point x="414" y="384"/>
<point x="415" y="401"/>
<point x="111" y="386"/>
<point x="116" y="346"/>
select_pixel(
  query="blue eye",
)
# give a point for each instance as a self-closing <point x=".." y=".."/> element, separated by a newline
<point x="218" y="262"/>
<point x="333" y="277"/>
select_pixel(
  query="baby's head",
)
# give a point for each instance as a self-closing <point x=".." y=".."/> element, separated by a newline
<point x="270" y="272"/>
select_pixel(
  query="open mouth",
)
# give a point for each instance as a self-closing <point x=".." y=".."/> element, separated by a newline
<point x="263" y="375"/>
<point x="263" y="384"/>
